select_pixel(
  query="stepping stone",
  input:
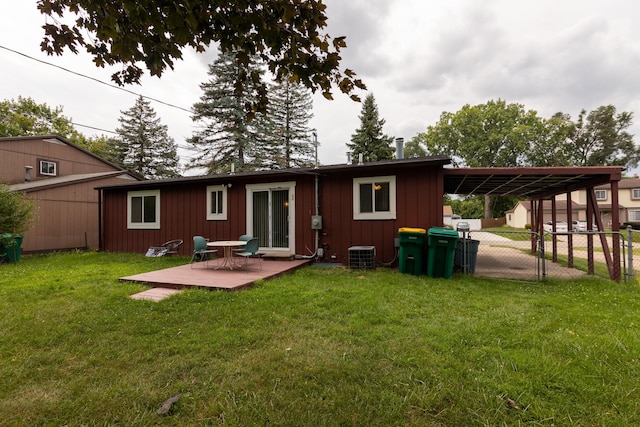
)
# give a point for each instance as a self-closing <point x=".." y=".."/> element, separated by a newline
<point x="155" y="294"/>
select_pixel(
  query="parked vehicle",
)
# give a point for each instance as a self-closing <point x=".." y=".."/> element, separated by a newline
<point x="581" y="227"/>
<point x="561" y="227"/>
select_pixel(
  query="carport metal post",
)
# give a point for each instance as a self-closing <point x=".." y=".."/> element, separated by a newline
<point x="630" y="252"/>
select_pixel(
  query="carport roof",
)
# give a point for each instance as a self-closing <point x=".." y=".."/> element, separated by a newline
<point x="530" y="182"/>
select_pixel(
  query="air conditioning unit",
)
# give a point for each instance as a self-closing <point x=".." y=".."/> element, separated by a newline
<point x="362" y="257"/>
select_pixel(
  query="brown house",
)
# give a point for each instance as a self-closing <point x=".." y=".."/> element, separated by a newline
<point x="61" y="177"/>
<point x="306" y="212"/>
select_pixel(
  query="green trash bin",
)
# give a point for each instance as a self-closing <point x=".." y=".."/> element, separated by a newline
<point x="442" y="244"/>
<point x="411" y="250"/>
<point x="12" y="252"/>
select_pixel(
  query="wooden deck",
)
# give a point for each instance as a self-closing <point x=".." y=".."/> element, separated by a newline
<point x="185" y="276"/>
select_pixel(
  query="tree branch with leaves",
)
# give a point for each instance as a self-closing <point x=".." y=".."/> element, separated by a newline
<point x="286" y="34"/>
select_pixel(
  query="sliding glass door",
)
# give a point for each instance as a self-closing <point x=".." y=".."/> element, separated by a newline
<point x="271" y="214"/>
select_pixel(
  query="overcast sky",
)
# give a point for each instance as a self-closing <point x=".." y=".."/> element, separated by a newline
<point x="418" y="58"/>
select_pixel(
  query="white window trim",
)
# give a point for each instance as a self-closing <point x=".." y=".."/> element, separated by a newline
<point x="143" y="225"/>
<point x="635" y="193"/>
<point x="211" y="216"/>
<point x="391" y="214"/>
<point x="602" y="192"/>
<point x="55" y="168"/>
<point x="634" y="213"/>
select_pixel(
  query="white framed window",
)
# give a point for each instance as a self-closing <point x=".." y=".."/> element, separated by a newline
<point x="601" y="194"/>
<point x="634" y="215"/>
<point x="48" y="168"/>
<point x="374" y="198"/>
<point x="635" y="193"/>
<point x="216" y="203"/>
<point x="143" y="210"/>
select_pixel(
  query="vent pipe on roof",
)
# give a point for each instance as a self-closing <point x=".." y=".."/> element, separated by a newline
<point x="348" y="157"/>
<point x="360" y="158"/>
<point x="399" y="148"/>
<point x="27" y="173"/>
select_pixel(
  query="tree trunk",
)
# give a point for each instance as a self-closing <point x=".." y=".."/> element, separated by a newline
<point x="487" y="207"/>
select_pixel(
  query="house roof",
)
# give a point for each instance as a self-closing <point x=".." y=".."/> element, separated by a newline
<point x="368" y="168"/>
<point x="531" y="182"/>
<point x="624" y="183"/>
<point x="62" y="140"/>
<point x="546" y="205"/>
<point x="60" y="181"/>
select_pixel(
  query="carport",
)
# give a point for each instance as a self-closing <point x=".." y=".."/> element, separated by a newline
<point x="545" y="183"/>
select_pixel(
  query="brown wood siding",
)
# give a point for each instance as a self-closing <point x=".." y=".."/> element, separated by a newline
<point x="66" y="217"/>
<point x="418" y="204"/>
<point x="15" y="155"/>
<point x="183" y="213"/>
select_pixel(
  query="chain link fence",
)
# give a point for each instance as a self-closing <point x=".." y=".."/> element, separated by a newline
<point x="527" y="255"/>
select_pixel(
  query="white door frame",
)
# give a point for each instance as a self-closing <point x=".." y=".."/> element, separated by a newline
<point x="288" y="185"/>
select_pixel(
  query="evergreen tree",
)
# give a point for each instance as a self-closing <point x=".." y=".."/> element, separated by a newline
<point x="227" y="133"/>
<point x="289" y="113"/>
<point x="369" y="139"/>
<point x="144" y="145"/>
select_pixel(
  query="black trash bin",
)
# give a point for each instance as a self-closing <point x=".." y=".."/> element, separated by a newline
<point x="411" y="250"/>
<point x="469" y="260"/>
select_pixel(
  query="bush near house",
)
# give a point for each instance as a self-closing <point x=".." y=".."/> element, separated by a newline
<point x="16" y="215"/>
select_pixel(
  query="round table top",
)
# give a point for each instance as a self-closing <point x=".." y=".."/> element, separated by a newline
<point x="227" y="243"/>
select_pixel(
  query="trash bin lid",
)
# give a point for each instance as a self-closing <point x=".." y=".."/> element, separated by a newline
<point x="440" y="231"/>
<point x="411" y="230"/>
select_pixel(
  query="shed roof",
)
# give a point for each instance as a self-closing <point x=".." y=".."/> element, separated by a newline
<point x="531" y="182"/>
<point x="367" y="168"/>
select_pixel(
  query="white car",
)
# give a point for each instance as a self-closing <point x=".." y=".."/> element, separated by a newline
<point x="581" y="227"/>
<point x="561" y="227"/>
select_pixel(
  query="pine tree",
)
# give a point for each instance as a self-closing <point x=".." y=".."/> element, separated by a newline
<point x="228" y="135"/>
<point x="144" y="145"/>
<point x="290" y="111"/>
<point x="369" y="139"/>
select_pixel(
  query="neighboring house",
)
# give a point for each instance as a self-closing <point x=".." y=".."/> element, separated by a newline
<point x="61" y="177"/>
<point x="628" y="201"/>
<point x="520" y="214"/>
<point x="447" y="213"/>
<point x="291" y="211"/>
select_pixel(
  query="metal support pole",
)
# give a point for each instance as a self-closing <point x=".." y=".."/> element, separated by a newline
<point x="630" y="251"/>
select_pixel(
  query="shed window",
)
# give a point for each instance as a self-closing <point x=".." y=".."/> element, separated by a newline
<point x="216" y="203"/>
<point x="374" y="198"/>
<point x="48" y="168"/>
<point x="601" y="194"/>
<point x="143" y="209"/>
<point x="635" y="193"/>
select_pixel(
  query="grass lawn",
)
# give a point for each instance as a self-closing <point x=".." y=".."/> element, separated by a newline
<point x="320" y="347"/>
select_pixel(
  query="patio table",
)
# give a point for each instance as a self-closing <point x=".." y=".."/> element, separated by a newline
<point x="228" y="245"/>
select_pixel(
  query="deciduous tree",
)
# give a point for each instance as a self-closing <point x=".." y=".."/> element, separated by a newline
<point x="286" y="34"/>
<point x="601" y="138"/>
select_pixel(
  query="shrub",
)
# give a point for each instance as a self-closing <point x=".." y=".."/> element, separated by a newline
<point x="16" y="215"/>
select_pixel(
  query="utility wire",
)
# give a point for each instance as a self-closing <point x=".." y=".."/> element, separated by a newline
<point x="94" y="79"/>
<point x="106" y="84"/>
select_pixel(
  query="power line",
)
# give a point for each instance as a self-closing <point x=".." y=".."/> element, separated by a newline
<point x="183" y="147"/>
<point x="95" y="80"/>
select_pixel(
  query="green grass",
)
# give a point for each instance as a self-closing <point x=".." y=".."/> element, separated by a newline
<point x="320" y="347"/>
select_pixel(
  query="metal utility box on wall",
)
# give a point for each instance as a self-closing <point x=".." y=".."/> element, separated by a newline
<point x="362" y="257"/>
<point x="316" y="222"/>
